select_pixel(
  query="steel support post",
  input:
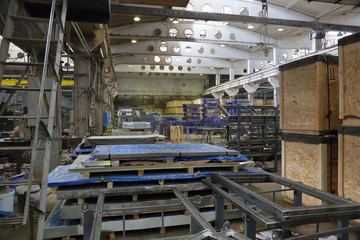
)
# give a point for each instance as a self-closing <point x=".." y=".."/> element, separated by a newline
<point x="219" y="212"/>
<point x="97" y="223"/>
<point x="87" y="218"/>
<point x="343" y="224"/>
<point x="249" y="226"/>
<point x="81" y="102"/>
<point x="297" y="198"/>
<point x="194" y="226"/>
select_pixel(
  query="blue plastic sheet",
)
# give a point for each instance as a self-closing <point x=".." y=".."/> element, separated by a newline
<point x="61" y="177"/>
<point x="55" y="220"/>
<point x="5" y="213"/>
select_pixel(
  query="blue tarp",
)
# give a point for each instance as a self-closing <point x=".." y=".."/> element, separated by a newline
<point x="61" y="177"/>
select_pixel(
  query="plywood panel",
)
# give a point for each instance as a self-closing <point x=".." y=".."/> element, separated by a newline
<point x="350" y="70"/>
<point x="299" y="98"/>
<point x="330" y="99"/>
<point x="305" y="101"/>
<point x="312" y="164"/>
<point x="302" y="164"/>
<point x="351" y="166"/>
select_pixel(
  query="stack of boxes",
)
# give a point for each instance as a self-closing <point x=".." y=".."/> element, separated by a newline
<point x="349" y="132"/>
<point x="309" y="119"/>
<point x="175" y="107"/>
<point x="191" y="112"/>
<point x="209" y="107"/>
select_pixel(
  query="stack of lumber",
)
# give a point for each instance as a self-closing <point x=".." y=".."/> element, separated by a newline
<point x="309" y="119"/>
<point x="143" y="175"/>
<point x="349" y="132"/>
<point x="175" y="107"/>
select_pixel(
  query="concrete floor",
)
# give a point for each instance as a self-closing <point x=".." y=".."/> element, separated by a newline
<point x="21" y="232"/>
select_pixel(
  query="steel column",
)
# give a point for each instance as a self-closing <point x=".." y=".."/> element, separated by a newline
<point x="343" y="224"/>
<point x="219" y="212"/>
<point x="297" y="198"/>
<point x="249" y="227"/>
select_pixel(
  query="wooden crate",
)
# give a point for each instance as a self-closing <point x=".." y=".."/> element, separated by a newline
<point x="177" y="134"/>
<point x="305" y="87"/>
<point x="177" y="103"/>
<point x="349" y="162"/>
<point x="174" y="111"/>
<point x="311" y="160"/>
<point x="349" y="76"/>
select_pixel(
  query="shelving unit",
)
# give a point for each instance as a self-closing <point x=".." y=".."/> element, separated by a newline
<point x="258" y="132"/>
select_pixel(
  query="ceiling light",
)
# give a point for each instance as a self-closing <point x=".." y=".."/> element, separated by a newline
<point x="175" y="21"/>
<point x="222" y="45"/>
<point x="133" y="41"/>
<point x="212" y="68"/>
<point x="163" y="42"/>
<point x="136" y="19"/>
<point x="130" y="65"/>
<point x="201" y="74"/>
<point x="250" y="26"/>
<point x="280" y="29"/>
<point x="339" y="34"/>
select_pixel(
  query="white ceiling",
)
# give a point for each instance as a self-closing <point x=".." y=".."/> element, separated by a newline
<point x="237" y="43"/>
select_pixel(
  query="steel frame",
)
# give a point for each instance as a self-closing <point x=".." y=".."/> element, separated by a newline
<point x="339" y="209"/>
<point x="262" y="124"/>
<point x="92" y="219"/>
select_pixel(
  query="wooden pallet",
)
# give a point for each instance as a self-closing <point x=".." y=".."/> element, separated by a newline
<point x="188" y="168"/>
<point x="177" y="134"/>
<point x="111" y="184"/>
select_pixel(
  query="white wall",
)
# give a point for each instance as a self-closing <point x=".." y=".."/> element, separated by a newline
<point x="187" y="85"/>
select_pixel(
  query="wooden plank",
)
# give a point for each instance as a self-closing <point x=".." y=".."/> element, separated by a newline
<point x="282" y="119"/>
<point x="341" y="166"/>
<point x="341" y="81"/>
<point x="155" y="167"/>
<point x="319" y="98"/>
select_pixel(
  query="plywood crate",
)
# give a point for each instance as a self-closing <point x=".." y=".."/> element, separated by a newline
<point x="177" y="103"/>
<point x="258" y="102"/>
<point x="349" y="162"/>
<point x="174" y="111"/>
<point x="305" y="87"/>
<point x="349" y="76"/>
<point x="312" y="160"/>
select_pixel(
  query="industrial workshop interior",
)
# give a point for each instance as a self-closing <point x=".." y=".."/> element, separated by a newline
<point x="179" y="119"/>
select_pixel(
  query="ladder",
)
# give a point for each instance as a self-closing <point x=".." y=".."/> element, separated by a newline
<point x="50" y="66"/>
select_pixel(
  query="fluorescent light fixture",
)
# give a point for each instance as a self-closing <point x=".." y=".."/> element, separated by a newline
<point x="137" y="19"/>
<point x="133" y="41"/>
<point x="280" y="29"/>
<point x="250" y="26"/>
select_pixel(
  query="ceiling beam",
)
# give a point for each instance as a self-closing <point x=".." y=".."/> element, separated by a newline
<point x="120" y="9"/>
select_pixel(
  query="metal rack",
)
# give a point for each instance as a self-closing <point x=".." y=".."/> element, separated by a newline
<point x="44" y="69"/>
<point x="338" y="209"/>
<point x="257" y="130"/>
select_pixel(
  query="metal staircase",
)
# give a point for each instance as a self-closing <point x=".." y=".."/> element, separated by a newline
<point x="48" y="70"/>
